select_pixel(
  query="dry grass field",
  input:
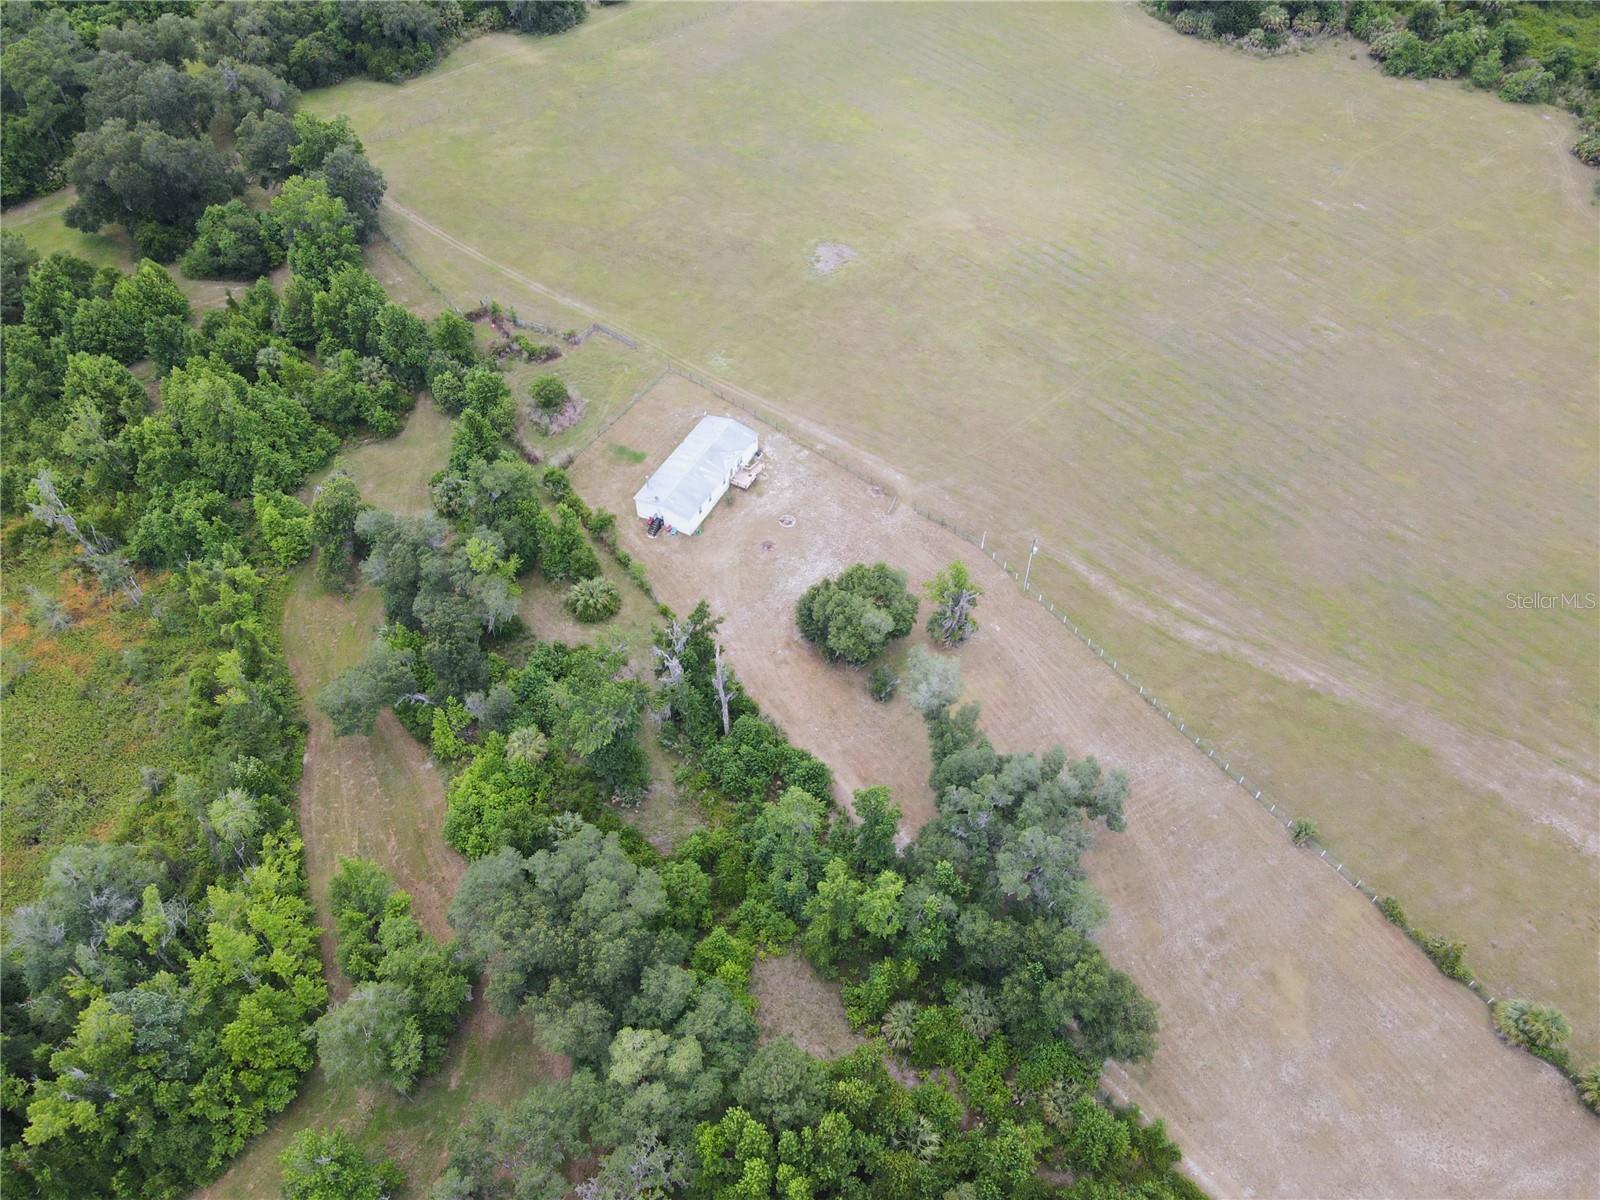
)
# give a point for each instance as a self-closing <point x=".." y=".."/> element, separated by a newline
<point x="1291" y="368"/>
<point x="1307" y="1048"/>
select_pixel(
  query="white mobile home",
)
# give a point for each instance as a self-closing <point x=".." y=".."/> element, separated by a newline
<point x="684" y="489"/>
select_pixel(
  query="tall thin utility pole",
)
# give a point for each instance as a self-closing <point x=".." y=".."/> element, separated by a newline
<point x="1029" y="571"/>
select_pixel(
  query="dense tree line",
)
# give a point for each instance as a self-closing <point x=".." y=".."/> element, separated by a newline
<point x="967" y="953"/>
<point x="159" y="991"/>
<point x="252" y="399"/>
<point x="251" y="402"/>
<point x="141" y="87"/>
<point x="1527" y="53"/>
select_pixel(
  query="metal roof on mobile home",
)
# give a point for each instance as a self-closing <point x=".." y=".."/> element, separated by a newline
<point x="694" y="476"/>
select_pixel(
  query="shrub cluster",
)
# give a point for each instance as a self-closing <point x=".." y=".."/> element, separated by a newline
<point x="410" y="994"/>
<point x="592" y="600"/>
<point x="320" y="1166"/>
<point x="1537" y="1028"/>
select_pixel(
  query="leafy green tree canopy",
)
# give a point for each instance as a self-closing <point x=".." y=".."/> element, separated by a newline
<point x="856" y="615"/>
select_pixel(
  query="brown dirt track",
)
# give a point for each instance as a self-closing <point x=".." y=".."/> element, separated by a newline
<point x="1307" y="1048"/>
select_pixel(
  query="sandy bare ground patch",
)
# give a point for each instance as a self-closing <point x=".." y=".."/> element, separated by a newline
<point x="1308" y="1049"/>
<point x="830" y="256"/>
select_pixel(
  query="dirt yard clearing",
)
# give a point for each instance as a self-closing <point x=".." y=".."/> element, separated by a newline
<point x="1308" y="1049"/>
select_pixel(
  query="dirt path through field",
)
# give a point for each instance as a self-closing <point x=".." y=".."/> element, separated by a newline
<point x="381" y="797"/>
<point x="378" y="796"/>
<point x="1307" y="1048"/>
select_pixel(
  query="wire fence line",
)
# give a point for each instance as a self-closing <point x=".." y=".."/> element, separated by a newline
<point x="427" y="279"/>
<point x="980" y="540"/>
<point x="1213" y="752"/>
<point x="753" y="404"/>
<point x="750" y="403"/>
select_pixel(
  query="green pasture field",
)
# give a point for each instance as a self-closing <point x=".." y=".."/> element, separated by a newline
<point x="1290" y="367"/>
<point x="40" y="222"/>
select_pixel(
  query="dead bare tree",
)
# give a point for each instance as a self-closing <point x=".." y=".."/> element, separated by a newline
<point x="110" y="565"/>
<point x="113" y="572"/>
<point x="669" y="661"/>
<point x="954" y="596"/>
<point x="720" y="679"/>
<point x="955" y="619"/>
<point x="51" y="510"/>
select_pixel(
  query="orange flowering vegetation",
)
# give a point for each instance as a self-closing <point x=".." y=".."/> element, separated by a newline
<point x="92" y="689"/>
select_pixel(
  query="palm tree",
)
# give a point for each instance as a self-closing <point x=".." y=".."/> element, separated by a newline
<point x="976" y="1011"/>
<point x="900" y="1024"/>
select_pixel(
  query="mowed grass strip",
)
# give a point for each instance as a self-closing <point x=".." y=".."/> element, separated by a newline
<point x="381" y="797"/>
<point x="1302" y="356"/>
